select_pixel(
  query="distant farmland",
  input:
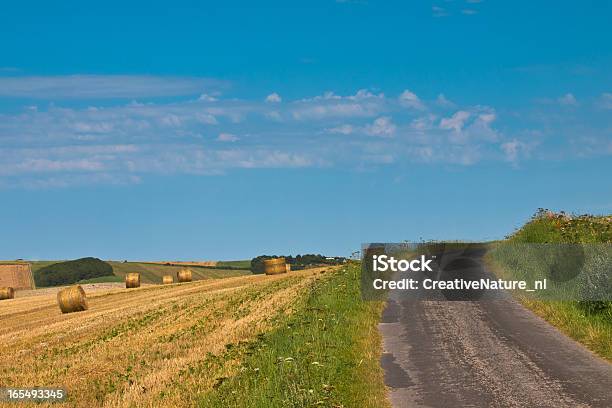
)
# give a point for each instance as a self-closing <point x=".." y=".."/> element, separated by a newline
<point x="255" y="341"/>
<point x="152" y="273"/>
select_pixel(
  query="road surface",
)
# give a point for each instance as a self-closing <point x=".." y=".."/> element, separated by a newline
<point x="486" y="353"/>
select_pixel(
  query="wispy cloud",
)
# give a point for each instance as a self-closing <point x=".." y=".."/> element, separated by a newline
<point x="102" y="86"/>
<point x="409" y="99"/>
<point x="273" y="98"/>
<point x="515" y="149"/>
<point x="362" y="104"/>
<point x="227" y="137"/>
<point x="442" y="101"/>
<point x="455" y="122"/>
<point x="383" y="127"/>
<point x="438" y="11"/>
<point x="126" y="142"/>
<point x="342" y="129"/>
<point x="605" y="100"/>
<point x="567" y="100"/>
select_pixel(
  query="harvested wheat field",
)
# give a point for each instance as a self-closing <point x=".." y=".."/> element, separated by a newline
<point x="151" y="346"/>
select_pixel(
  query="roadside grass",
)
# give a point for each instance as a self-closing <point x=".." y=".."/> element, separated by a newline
<point x="326" y="353"/>
<point x="594" y="330"/>
<point x="588" y="322"/>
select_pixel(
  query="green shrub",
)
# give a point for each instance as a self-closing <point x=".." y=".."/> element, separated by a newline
<point x="69" y="272"/>
<point x="546" y="226"/>
<point x="596" y="306"/>
<point x="595" y="282"/>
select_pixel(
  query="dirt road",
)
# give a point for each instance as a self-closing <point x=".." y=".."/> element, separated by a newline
<point x="487" y="353"/>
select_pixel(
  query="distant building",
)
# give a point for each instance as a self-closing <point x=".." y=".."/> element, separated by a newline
<point x="17" y="275"/>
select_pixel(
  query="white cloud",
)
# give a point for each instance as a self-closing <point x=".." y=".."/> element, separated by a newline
<point x="606" y="100"/>
<point x="439" y="11"/>
<point x="443" y="102"/>
<point x="329" y="105"/>
<point x="342" y="129"/>
<point x="265" y="159"/>
<point x="567" y="100"/>
<point x="514" y="149"/>
<point x="171" y="120"/>
<point x="334" y="110"/>
<point x="364" y="94"/>
<point x="361" y="94"/>
<point x="423" y="123"/>
<point x="99" y="127"/>
<point x="125" y="142"/>
<point x="206" y="118"/>
<point x="92" y="158"/>
<point x="471" y="127"/>
<point x="207" y="98"/>
<point x="382" y="126"/>
<point x="479" y="130"/>
<point x="325" y="97"/>
<point x="410" y="100"/>
<point x="227" y="137"/>
<point x="274" y="115"/>
<point x="102" y="86"/>
<point x="469" y="12"/>
<point x="487" y="117"/>
<point x="273" y="98"/>
<point x="456" y="121"/>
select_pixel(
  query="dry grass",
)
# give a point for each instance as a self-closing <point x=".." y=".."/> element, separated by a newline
<point x="137" y="347"/>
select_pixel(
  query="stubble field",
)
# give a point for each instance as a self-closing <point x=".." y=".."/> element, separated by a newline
<point x="152" y="346"/>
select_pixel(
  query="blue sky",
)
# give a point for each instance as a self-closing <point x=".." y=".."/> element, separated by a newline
<point x="201" y="130"/>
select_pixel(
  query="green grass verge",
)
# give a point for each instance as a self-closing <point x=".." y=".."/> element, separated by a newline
<point x="588" y="322"/>
<point x="592" y="330"/>
<point x="325" y="354"/>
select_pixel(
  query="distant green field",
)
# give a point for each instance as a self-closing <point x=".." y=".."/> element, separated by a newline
<point x="152" y="273"/>
<point x="245" y="264"/>
<point x="103" y="279"/>
<point x="36" y="265"/>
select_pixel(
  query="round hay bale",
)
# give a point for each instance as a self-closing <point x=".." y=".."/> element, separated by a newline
<point x="288" y="267"/>
<point x="7" y="293"/>
<point x="132" y="280"/>
<point x="275" y="266"/>
<point x="184" y="275"/>
<point x="72" y="299"/>
<point x="167" y="279"/>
